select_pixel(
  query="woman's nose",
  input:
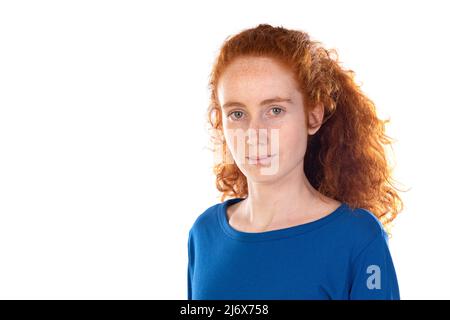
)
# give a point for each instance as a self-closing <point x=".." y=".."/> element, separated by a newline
<point x="257" y="136"/>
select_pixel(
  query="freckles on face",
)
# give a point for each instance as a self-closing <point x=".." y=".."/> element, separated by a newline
<point x="250" y="80"/>
<point x="293" y="138"/>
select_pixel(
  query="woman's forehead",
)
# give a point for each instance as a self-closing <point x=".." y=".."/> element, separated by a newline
<point x="254" y="66"/>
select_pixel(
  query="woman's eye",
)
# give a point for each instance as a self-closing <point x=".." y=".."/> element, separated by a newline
<point x="278" y="110"/>
<point x="237" y="114"/>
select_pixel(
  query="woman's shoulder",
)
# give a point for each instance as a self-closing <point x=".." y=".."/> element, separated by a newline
<point x="362" y="224"/>
<point x="206" y="217"/>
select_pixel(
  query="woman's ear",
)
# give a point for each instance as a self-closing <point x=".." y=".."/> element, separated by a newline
<point x="315" y="118"/>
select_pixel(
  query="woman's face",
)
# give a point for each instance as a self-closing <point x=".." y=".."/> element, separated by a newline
<point x="257" y="127"/>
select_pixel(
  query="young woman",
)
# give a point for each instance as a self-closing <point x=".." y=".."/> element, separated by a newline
<point x="303" y="162"/>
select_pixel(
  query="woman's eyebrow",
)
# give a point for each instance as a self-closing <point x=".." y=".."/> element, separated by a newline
<point x="262" y="103"/>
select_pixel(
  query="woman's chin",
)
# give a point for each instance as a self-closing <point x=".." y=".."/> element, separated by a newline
<point x="260" y="172"/>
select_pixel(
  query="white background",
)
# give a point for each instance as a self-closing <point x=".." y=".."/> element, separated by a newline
<point x="104" y="163"/>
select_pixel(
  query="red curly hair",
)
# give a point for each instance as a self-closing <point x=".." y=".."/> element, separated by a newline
<point x="345" y="159"/>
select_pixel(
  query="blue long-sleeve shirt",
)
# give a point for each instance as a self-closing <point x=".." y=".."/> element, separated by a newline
<point x="343" y="255"/>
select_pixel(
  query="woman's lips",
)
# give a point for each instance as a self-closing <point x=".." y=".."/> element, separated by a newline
<point x="258" y="158"/>
<point x="261" y="160"/>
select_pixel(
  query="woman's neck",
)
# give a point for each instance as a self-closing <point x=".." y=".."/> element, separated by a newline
<point x="290" y="200"/>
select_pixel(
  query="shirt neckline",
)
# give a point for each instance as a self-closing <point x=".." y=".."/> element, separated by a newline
<point x="272" y="234"/>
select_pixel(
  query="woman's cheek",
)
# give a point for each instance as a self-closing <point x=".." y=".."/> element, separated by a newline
<point x="235" y="140"/>
<point x="293" y="138"/>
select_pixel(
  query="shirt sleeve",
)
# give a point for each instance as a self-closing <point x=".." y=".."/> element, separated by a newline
<point x="190" y="268"/>
<point x="373" y="273"/>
